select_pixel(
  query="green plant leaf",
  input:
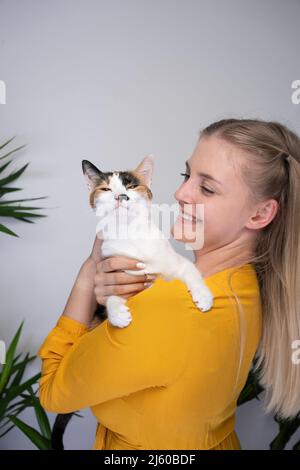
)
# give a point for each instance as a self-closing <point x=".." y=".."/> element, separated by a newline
<point x="17" y="214"/>
<point x="6" y="230"/>
<point x="22" y="200"/>
<point x="4" y="190"/>
<point x="16" y="358"/>
<point x="9" y="359"/>
<point x="14" y="413"/>
<point x="26" y="220"/>
<point x="18" y="404"/>
<point x="10" y="208"/>
<point x="7" y="142"/>
<point x="13" y="176"/>
<point x="38" y="440"/>
<point x="19" y="368"/>
<point x="2" y="168"/>
<point x="252" y="387"/>
<point x="41" y="416"/>
<point x="7" y="430"/>
<point x="297" y="446"/>
<point x="12" y="151"/>
<point x="287" y="427"/>
<point x="13" y="392"/>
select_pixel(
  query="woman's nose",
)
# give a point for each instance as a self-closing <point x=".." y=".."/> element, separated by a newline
<point x="185" y="194"/>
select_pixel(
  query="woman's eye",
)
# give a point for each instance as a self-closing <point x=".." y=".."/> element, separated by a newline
<point x="206" y="190"/>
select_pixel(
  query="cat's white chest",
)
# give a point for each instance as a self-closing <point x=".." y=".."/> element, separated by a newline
<point x="149" y="245"/>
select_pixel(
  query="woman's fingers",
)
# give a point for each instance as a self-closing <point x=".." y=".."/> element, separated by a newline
<point x="126" y="290"/>
<point x="109" y="279"/>
<point x="123" y="289"/>
<point x="124" y="296"/>
<point x="115" y="263"/>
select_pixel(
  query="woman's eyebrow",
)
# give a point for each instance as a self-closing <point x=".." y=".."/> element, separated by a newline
<point x="205" y="175"/>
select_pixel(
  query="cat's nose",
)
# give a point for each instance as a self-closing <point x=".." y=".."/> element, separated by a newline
<point x="122" y="197"/>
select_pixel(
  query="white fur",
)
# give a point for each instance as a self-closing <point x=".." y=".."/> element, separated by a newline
<point x="146" y="242"/>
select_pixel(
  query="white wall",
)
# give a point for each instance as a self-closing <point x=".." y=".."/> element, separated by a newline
<point x="109" y="81"/>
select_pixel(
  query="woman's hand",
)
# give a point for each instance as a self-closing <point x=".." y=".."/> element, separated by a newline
<point x="110" y="280"/>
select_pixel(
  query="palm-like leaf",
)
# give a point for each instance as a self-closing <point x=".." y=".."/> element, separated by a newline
<point x="15" y="395"/>
<point x="287" y="427"/>
<point x="13" y="208"/>
<point x="37" y="438"/>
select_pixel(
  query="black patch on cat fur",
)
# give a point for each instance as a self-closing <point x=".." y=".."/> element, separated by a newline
<point x="128" y="178"/>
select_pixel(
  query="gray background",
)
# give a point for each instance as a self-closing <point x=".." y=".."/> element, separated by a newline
<point x="111" y="81"/>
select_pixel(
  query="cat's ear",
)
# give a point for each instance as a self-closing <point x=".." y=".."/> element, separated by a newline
<point x="145" y="169"/>
<point x="91" y="174"/>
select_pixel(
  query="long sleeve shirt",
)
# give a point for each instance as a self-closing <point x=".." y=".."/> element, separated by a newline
<point x="169" y="380"/>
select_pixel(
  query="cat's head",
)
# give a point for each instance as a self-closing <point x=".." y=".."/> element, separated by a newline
<point x="119" y="189"/>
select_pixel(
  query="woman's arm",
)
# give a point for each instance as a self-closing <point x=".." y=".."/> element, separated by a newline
<point x="96" y="280"/>
<point x="68" y="354"/>
<point x="82" y="368"/>
<point x="81" y="304"/>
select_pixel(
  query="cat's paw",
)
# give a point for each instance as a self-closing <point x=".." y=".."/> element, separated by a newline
<point x="202" y="297"/>
<point x="118" y="314"/>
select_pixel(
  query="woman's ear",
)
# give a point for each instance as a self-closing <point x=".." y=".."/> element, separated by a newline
<point x="263" y="215"/>
<point x="145" y="169"/>
<point x="91" y="174"/>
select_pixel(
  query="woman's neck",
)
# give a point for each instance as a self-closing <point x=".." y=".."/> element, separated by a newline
<point x="224" y="257"/>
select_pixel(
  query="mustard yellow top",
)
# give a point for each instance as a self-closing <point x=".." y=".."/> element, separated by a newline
<point x="166" y="381"/>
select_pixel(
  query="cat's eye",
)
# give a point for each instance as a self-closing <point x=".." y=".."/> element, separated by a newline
<point x="106" y="189"/>
<point x="132" y="186"/>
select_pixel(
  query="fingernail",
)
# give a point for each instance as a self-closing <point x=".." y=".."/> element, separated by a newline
<point x="148" y="284"/>
<point x="150" y="277"/>
<point x="140" y="265"/>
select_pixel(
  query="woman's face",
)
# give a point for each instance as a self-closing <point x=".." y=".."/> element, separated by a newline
<point x="213" y="188"/>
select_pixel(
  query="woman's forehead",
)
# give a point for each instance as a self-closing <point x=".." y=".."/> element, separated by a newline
<point x="217" y="158"/>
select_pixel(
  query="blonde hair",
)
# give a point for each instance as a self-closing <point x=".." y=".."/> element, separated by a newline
<point x="271" y="170"/>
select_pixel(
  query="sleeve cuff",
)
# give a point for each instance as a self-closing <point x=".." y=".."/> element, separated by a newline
<point x="71" y="326"/>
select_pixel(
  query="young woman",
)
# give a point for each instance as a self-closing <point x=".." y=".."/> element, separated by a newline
<point x="172" y="378"/>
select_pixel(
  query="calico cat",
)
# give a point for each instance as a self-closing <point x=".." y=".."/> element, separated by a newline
<point x="129" y="193"/>
<point x="123" y="199"/>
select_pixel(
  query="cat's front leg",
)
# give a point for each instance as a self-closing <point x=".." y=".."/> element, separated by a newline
<point x="201" y="295"/>
<point x="199" y="291"/>
<point x="181" y="268"/>
<point x="118" y="313"/>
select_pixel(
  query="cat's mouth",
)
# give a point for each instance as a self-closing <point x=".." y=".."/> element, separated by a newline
<point x="120" y="206"/>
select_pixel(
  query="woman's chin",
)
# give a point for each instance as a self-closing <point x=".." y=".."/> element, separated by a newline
<point x="188" y="232"/>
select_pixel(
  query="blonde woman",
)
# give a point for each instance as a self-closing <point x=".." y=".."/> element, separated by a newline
<point x="172" y="378"/>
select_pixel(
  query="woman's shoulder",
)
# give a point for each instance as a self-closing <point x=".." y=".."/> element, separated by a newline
<point x="171" y="300"/>
<point x="241" y="280"/>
